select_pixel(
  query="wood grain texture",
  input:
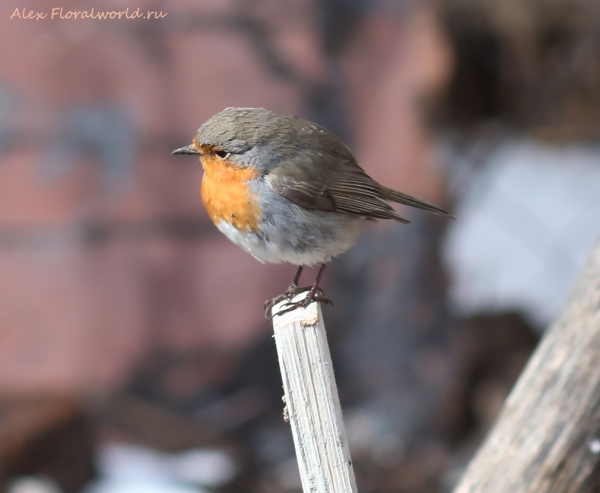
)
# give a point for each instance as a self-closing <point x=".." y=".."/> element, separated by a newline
<point x="312" y="401"/>
<point x="547" y="436"/>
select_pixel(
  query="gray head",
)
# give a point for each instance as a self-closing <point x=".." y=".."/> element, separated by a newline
<point x="257" y="137"/>
<point x="239" y="134"/>
<point x="238" y="129"/>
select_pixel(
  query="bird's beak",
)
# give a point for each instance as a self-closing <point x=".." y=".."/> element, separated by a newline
<point x="189" y="149"/>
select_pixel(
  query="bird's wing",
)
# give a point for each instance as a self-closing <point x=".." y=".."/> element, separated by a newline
<point x="402" y="198"/>
<point x="331" y="181"/>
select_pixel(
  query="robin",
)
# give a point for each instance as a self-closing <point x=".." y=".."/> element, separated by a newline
<point x="288" y="190"/>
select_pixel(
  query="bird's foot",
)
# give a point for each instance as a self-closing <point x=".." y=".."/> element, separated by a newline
<point x="316" y="295"/>
<point x="288" y="294"/>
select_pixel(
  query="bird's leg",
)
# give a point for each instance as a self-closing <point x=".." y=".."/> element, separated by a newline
<point x="313" y="290"/>
<point x="289" y="293"/>
<point x="311" y="296"/>
<point x="294" y="286"/>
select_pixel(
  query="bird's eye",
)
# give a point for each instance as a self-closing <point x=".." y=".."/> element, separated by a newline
<point x="222" y="154"/>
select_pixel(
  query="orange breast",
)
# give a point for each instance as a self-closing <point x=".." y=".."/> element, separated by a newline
<point x="226" y="195"/>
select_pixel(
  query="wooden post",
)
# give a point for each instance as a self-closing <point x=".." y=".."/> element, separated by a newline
<point x="312" y="401"/>
<point x="547" y="436"/>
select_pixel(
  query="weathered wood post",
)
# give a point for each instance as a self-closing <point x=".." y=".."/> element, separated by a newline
<point x="547" y="436"/>
<point x="312" y="401"/>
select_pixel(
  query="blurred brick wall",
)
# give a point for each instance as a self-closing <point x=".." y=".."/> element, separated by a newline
<point x="106" y="253"/>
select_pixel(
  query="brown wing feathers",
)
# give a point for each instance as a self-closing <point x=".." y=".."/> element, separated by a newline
<point x="332" y="181"/>
<point x="305" y="195"/>
<point x="356" y="193"/>
<point x="352" y="195"/>
<point x="402" y="198"/>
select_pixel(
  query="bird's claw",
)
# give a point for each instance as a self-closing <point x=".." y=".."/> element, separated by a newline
<point x="289" y="293"/>
<point x="289" y="306"/>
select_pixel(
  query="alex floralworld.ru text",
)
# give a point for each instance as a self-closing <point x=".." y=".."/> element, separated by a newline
<point x="60" y="13"/>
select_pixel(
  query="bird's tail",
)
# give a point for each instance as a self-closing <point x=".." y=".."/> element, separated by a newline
<point x="402" y="198"/>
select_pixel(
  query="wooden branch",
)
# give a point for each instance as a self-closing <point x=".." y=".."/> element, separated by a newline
<point x="312" y="401"/>
<point x="547" y="436"/>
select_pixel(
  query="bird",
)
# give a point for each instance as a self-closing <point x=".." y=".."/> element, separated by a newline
<point x="286" y="189"/>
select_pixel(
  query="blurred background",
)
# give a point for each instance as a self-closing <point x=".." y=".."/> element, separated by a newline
<point x="134" y="354"/>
